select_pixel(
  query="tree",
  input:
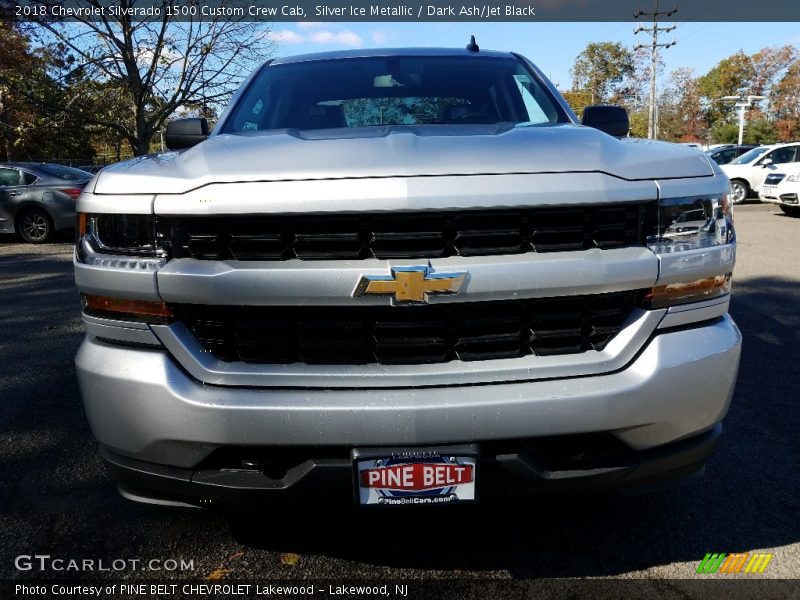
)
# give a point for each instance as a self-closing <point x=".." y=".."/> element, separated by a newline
<point x="13" y="55"/>
<point x="578" y="100"/>
<point x="768" y="64"/>
<point x="740" y="74"/>
<point x="600" y="68"/>
<point x="634" y="89"/>
<point x="785" y="102"/>
<point x="634" y="92"/>
<point x="26" y="131"/>
<point x="681" y="115"/>
<point x="725" y="133"/>
<point x="728" y="78"/>
<point x="760" y="131"/>
<point x="130" y="76"/>
<point x="638" y="119"/>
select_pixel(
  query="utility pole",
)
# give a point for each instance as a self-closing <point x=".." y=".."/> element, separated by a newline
<point x="743" y="103"/>
<point x="652" y="120"/>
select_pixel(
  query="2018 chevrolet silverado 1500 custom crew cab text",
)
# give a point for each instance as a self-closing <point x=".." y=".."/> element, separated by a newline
<point x="405" y="277"/>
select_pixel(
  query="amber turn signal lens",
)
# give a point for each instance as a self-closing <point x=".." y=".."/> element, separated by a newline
<point x="82" y="226"/>
<point x="134" y="308"/>
<point x="690" y="291"/>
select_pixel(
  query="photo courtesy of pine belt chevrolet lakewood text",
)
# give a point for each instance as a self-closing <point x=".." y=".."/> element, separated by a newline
<point x="403" y="277"/>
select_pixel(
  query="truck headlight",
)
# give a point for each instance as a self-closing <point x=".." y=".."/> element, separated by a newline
<point x="692" y="223"/>
<point x="683" y="225"/>
<point x="118" y="235"/>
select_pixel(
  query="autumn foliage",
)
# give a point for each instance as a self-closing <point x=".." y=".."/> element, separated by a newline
<point x="690" y="108"/>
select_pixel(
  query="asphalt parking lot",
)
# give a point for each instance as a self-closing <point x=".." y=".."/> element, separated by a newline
<point x="55" y="497"/>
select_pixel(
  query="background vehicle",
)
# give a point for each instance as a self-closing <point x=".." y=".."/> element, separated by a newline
<point x="38" y="199"/>
<point x="783" y="189"/>
<point x="688" y="223"/>
<point x="725" y="154"/>
<point x="749" y="171"/>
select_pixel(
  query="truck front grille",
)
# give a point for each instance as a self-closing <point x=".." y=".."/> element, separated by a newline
<point x="409" y="334"/>
<point x="405" y="234"/>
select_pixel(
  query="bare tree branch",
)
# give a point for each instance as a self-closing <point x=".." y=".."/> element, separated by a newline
<point x="131" y="76"/>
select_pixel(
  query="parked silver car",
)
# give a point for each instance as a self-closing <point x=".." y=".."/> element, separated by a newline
<point x="38" y="199"/>
<point x="404" y="277"/>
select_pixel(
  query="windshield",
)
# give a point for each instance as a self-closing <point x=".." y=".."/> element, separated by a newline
<point x="749" y="156"/>
<point x="381" y="91"/>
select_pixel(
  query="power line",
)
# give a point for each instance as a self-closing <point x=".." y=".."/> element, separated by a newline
<point x="652" y="118"/>
<point x="702" y="10"/>
<point x="696" y="31"/>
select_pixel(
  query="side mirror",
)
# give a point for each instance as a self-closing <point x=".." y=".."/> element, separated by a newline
<point x="611" y="119"/>
<point x="185" y="133"/>
<point x="765" y="163"/>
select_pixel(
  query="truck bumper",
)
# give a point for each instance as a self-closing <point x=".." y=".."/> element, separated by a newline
<point x="170" y="438"/>
<point x="523" y="469"/>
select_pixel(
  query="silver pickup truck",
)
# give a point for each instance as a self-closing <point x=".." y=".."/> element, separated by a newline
<point x="405" y="277"/>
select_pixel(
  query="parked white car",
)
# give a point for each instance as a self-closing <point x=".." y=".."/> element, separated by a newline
<point x="748" y="172"/>
<point x="783" y="189"/>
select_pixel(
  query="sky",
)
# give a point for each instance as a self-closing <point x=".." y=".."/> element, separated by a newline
<point x="551" y="46"/>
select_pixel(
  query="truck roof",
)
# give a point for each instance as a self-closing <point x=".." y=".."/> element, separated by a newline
<point x="370" y="52"/>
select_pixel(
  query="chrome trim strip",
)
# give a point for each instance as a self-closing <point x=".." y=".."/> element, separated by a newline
<point x="696" y="264"/>
<point x="327" y="283"/>
<point x="697" y="311"/>
<point x="129" y="277"/>
<point x="121" y="204"/>
<point x="391" y="194"/>
<point x="130" y="335"/>
<point x="202" y="365"/>
<point x="92" y="320"/>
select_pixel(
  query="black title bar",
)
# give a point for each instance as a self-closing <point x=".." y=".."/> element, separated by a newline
<point x="398" y="10"/>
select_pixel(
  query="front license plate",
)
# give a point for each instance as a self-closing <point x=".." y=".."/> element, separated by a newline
<point x="415" y="477"/>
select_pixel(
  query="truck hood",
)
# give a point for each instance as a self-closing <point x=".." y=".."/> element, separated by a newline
<point x="290" y="155"/>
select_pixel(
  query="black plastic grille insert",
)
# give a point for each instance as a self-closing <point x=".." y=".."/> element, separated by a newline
<point x="426" y="234"/>
<point x="409" y="334"/>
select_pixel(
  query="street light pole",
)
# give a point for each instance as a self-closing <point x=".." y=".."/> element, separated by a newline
<point x="743" y="103"/>
<point x="742" y="106"/>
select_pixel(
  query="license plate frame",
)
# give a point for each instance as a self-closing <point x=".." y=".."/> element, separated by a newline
<point x="409" y="476"/>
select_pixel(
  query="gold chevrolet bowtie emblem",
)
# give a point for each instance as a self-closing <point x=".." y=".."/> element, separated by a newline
<point x="410" y="284"/>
